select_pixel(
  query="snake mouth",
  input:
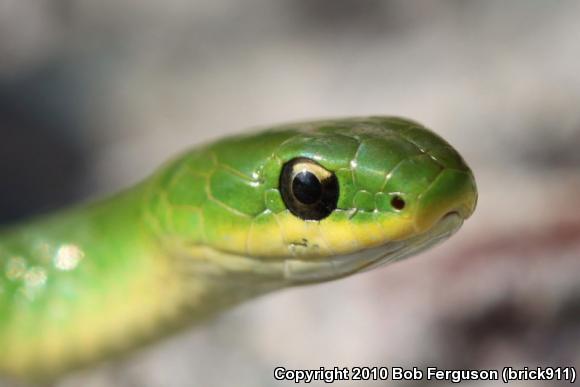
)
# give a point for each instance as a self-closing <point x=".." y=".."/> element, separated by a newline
<point x="300" y="271"/>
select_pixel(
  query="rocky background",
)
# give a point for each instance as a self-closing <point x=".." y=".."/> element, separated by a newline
<point x="94" y="95"/>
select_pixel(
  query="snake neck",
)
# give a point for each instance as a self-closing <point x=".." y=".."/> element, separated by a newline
<point x="76" y="287"/>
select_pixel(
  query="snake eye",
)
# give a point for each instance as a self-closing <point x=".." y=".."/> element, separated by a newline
<point x="308" y="189"/>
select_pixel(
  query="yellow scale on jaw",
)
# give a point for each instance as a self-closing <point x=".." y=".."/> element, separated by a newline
<point x="271" y="235"/>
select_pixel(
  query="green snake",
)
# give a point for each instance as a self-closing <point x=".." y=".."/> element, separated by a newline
<point x="224" y="222"/>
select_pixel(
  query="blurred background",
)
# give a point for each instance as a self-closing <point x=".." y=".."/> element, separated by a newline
<point x="95" y="95"/>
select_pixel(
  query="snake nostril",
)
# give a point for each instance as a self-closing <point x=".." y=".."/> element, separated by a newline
<point x="398" y="203"/>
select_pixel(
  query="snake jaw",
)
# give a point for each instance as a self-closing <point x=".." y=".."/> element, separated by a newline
<point x="308" y="269"/>
<point x="301" y="271"/>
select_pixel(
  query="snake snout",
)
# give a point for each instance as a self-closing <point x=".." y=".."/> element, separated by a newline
<point x="453" y="192"/>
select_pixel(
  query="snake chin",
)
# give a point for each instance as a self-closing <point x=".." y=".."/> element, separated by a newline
<point x="303" y="271"/>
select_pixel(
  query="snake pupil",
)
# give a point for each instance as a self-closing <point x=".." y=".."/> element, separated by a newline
<point x="306" y="187"/>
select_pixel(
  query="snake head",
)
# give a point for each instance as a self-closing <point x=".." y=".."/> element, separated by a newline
<point x="320" y="200"/>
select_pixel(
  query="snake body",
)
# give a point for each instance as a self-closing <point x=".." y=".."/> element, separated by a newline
<point x="219" y="224"/>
